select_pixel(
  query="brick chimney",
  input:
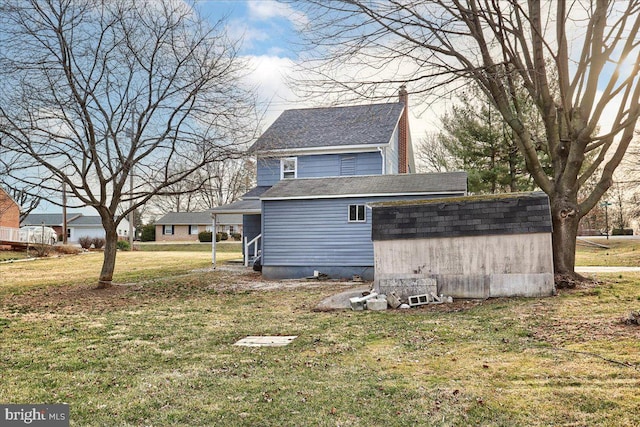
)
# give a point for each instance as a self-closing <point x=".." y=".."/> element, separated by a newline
<point x="403" y="132"/>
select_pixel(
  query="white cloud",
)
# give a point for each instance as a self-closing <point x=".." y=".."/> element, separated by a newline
<point x="238" y="29"/>
<point x="265" y="10"/>
<point x="269" y="76"/>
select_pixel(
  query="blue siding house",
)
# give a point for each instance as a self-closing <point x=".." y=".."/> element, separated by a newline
<point x="317" y="169"/>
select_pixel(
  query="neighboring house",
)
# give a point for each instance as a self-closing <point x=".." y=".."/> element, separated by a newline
<point x="185" y="226"/>
<point x="317" y="169"/>
<point x="9" y="211"/>
<point x="78" y="225"/>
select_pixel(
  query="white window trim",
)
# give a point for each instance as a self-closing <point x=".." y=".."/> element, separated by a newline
<point x="164" y="230"/>
<point x="295" y="170"/>
<point x="191" y="229"/>
<point x="364" y="210"/>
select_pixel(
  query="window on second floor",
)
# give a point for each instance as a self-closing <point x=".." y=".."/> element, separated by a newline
<point x="289" y="168"/>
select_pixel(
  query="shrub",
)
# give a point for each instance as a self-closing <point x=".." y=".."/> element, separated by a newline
<point x="148" y="233"/>
<point x="67" y="250"/>
<point x="622" y="232"/>
<point x="41" y="250"/>
<point x="224" y="236"/>
<point x="123" y="245"/>
<point x="236" y="236"/>
<point x="85" y="242"/>
<point x="206" y="236"/>
<point x="98" y="242"/>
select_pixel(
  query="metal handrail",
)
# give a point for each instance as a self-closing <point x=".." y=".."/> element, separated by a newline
<point x="247" y="244"/>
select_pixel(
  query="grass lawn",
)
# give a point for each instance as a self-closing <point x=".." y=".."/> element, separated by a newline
<point x="620" y="252"/>
<point x="221" y="247"/>
<point x="83" y="269"/>
<point x="160" y="352"/>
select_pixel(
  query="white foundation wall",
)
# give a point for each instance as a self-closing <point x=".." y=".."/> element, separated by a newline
<point x="473" y="266"/>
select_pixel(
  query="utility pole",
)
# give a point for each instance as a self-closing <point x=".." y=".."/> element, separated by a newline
<point x="64" y="213"/>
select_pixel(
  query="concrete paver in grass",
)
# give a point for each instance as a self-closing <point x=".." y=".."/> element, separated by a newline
<point x="266" y="341"/>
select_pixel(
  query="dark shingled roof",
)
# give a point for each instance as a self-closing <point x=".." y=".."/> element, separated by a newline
<point x="89" y="220"/>
<point x="332" y="126"/>
<point x="185" y="218"/>
<point x="515" y="213"/>
<point x="250" y="206"/>
<point x="344" y="186"/>
<point x="255" y="192"/>
<point x="49" y="219"/>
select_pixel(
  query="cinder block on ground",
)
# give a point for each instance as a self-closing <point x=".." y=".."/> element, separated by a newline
<point x="377" y="304"/>
<point x="393" y="300"/>
<point x="416" y="300"/>
<point x="404" y="285"/>
<point x="357" y="304"/>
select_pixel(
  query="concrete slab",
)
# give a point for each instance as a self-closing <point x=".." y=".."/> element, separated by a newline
<point x="377" y="304"/>
<point x="340" y="301"/>
<point x="266" y="341"/>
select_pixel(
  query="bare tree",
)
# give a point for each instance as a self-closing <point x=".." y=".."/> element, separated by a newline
<point x="432" y="155"/>
<point x="227" y="181"/>
<point x="95" y="92"/>
<point x="572" y="60"/>
<point x="216" y="184"/>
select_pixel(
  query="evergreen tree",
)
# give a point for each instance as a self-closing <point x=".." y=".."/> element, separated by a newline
<point x="477" y="140"/>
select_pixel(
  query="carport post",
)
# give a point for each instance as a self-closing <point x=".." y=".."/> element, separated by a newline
<point x="213" y="240"/>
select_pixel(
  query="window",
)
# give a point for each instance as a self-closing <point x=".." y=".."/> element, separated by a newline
<point x="209" y="228"/>
<point x="357" y="213"/>
<point x="193" y="229"/>
<point x="289" y="168"/>
<point x="167" y="229"/>
<point x="68" y="233"/>
<point x="231" y="229"/>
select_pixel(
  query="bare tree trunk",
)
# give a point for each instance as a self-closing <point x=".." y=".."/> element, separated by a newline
<point x="565" y="219"/>
<point x="110" y="250"/>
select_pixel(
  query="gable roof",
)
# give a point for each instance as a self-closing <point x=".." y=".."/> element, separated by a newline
<point x="85" y="220"/>
<point x="371" y="185"/>
<point x="47" y="219"/>
<point x="331" y="127"/>
<point x="185" y="218"/>
<point x="55" y="219"/>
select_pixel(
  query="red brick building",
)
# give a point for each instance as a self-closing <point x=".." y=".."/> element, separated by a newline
<point x="9" y="211"/>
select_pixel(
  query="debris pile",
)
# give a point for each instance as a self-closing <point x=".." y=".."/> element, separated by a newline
<point x="371" y="300"/>
<point x="633" y="319"/>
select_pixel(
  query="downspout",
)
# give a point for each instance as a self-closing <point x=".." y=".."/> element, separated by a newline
<point x="384" y="160"/>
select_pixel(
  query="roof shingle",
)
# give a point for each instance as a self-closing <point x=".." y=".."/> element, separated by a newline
<point x="331" y="126"/>
<point x="344" y="186"/>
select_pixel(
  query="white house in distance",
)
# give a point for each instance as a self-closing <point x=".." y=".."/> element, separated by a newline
<point x="78" y="225"/>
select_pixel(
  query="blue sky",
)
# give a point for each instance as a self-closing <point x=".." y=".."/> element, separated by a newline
<point x="266" y="27"/>
<point x="267" y="30"/>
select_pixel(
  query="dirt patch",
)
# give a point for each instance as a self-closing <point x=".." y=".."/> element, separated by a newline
<point x="86" y="298"/>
